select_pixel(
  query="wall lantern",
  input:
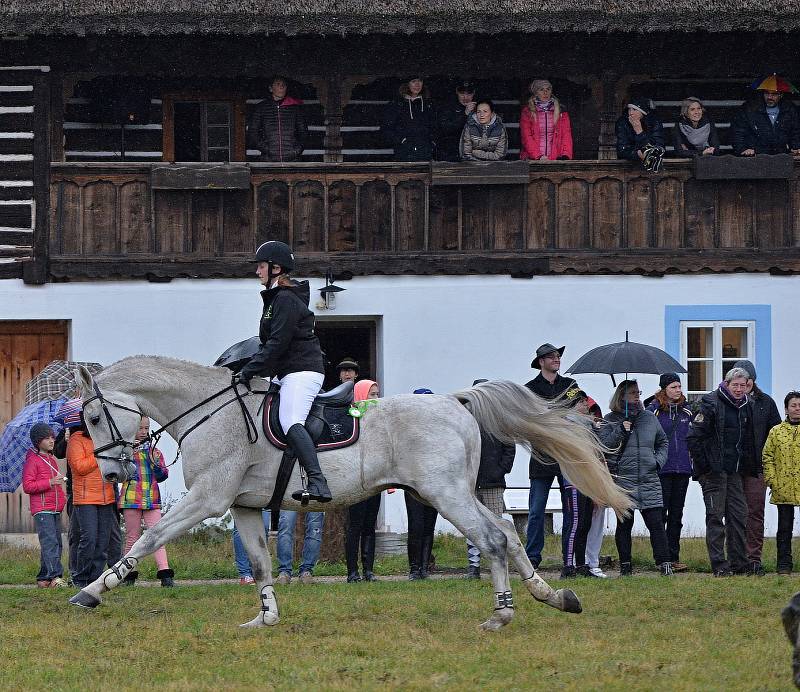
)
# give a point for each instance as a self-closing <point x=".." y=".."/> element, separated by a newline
<point x="328" y="292"/>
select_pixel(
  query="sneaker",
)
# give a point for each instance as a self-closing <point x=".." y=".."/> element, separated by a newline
<point x="625" y="569"/>
<point x="283" y="578"/>
<point x="666" y="569"/>
<point x="306" y="578"/>
<point x="679" y="567"/>
<point x="473" y="572"/>
<point x="597" y="572"/>
<point x="246" y="581"/>
<point x="723" y="573"/>
<point x="58" y="583"/>
<point x="43" y="583"/>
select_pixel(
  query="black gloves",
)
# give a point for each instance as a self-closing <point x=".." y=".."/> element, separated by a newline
<point x="238" y="378"/>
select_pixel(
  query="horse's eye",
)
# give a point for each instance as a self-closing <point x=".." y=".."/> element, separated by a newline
<point x="94" y="420"/>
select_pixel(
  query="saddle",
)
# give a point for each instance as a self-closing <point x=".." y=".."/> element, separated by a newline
<point x="329" y="423"/>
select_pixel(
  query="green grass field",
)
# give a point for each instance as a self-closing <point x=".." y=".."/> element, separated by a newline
<point x="691" y="632"/>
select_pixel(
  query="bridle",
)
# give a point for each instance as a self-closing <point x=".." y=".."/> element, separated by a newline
<point x="119" y="441"/>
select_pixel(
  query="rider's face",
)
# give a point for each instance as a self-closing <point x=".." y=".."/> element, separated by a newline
<point x="262" y="272"/>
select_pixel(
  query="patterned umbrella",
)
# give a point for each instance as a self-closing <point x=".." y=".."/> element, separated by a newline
<point x="774" y="83"/>
<point x="69" y="413"/>
<point x="16" y="440"/>
<point x="56" y="380"/>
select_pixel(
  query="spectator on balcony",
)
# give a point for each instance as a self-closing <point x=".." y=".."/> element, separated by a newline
<point x="544" y="126"/>
<point x="640" y="135"/>
<point x="769" y="124"/>
<point x="452" y="120"/>
<point x="694" y="133"/>
<point x="409" y="123"/>
<point x="277" y="127"/>
<point x="484" y="137"/>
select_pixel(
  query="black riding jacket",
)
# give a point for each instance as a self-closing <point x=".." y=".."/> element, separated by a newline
<point x="288" y="342"/>
<point x="539" y="385"/>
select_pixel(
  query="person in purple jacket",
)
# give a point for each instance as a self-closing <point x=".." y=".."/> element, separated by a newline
<point x="670" y="407"/>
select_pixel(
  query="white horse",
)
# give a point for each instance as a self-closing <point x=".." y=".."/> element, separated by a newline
<point x="430" y="444"/>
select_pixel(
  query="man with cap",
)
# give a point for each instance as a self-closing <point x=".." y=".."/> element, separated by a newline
<point x="765" y="417"/>
<point x="452" y="119"/>
<point x="551" y="386"/>
<point x="768" y="124"/>
<point x="348" y="370"/>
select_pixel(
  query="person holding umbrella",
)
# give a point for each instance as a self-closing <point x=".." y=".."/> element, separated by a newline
<point x="642" y="454"/>
<point x="770" y="124"/>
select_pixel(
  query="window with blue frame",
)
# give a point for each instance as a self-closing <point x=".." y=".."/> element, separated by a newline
<point x="708" y="339"/>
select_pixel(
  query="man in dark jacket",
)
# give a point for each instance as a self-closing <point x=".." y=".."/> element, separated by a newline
<point x="452" y="119"/>
<point x="770" y="125"/>
<point x="551" y="386"/>
<point x="496" y="461"/>
<point x="277" y="127"/>
<point x="765" y="417"/>
<point x="722" y="443"/>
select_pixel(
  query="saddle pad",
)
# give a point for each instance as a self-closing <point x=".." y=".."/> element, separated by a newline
<point x="331" y="427"/>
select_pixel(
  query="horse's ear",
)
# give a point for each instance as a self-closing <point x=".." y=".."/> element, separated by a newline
<point x="85" y="382"/>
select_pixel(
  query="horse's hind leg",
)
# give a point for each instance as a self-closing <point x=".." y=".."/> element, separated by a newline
<point x="466" y="516"/>
<point x="250" y="524"/>
<point x="193" y="508"/>
<point x="563" y="599"/>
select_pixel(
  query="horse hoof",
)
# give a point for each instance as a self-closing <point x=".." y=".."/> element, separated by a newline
<point x="570" y="603"/>
<point x="500" y="618"/>
<point x="84" y="599"/>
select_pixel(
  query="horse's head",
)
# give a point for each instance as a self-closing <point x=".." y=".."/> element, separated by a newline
<point x="112" y="419"/>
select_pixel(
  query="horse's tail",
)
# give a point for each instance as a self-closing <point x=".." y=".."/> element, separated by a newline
<point x="513" y="414"/>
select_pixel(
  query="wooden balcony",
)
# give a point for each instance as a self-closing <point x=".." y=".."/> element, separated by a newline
<point x="161" y="221"/>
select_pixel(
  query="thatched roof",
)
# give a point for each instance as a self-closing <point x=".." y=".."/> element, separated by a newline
<point x="290" y="17"/>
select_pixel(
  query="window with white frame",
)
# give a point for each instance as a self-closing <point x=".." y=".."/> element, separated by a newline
<point x="710" y="348"/>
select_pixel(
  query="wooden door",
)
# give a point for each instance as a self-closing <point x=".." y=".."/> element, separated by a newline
<point x="25" y="349"/>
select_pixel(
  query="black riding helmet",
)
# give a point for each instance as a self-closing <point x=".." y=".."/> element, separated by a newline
<point x="276" y="252"/>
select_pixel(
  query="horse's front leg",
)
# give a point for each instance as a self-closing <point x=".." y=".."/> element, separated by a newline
<point x="252" y="531"/>
<point x="193" y="508"/>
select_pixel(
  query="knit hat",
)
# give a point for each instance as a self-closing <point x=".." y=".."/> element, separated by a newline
<point x="39" y="432"/>
<point x="746" y="365"/>
<point x="667" y="379"/>
<point x="537" y="84"/>
<point x="422" y="390"/>
<point x="641" y="104"/>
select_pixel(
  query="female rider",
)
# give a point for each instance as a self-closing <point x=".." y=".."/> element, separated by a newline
<point x="290" y="354"/>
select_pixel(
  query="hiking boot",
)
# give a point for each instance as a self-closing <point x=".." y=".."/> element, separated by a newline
<point x="306" y="577"/>
<point x="303" y="446"/>
<point x="473" y="572"/>
<point x="597" y="572"/>
<point x="625" y="569"/>
<point x="166" y="577"/>
<point x="679" y="567"/>
<point x="130" y="578"/>
<point x="757" y="569"/>
<point x="369" y="575"/>
<point x="666" y="569"/>
<point x="246" y="581"/>
<point x="283" y="578"/>
<point x="415" y="575"/>
<point x="567" y="572"/>
<point x="58" y="583"/>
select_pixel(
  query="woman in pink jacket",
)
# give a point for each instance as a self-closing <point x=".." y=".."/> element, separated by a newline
<point x="544" y="127"/>
<point x="42" y="480"/>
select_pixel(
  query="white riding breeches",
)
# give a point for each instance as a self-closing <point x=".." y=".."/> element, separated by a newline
<point x="298" y="390"/>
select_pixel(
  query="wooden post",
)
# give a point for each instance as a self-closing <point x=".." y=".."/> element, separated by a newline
<point x="603" y="93"/>
<point x="330" y="96"/>
<point x="35" y="271"/>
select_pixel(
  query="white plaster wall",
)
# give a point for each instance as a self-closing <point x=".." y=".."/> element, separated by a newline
<point x="436" y="332"/>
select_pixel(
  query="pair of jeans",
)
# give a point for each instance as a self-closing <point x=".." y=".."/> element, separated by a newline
<point x="673" y="490"/>
<point x="361" y="519"/>
<point x="783" y="537"/>
<point x="95" y="526"/>
<point x="726" y="515"/>
<point x="577" y="511"/>
<point x="48" y="528"/>
<point x="286" y="524"/>
<point x="537" y="503"/>
<point x="74" y="539"/>
<point x="755" y="493"/>
<point x="653" y="520"/>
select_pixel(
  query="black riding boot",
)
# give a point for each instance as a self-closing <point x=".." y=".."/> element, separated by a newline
<point x="167" y="577"/>
<point x="351" y="556"/>
<point x="130" y="578"/>
<point x="425" y="556"/>
<point x="414" y="556"/>
<point x="368" y="557"/>
<point x="306" y="452"/>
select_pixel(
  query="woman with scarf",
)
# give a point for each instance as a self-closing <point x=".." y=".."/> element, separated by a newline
<point x="670" y="407"/>
<point x="361" y="517"/>
<point x="635" y="467"/>
<point x="694" y="134"/>
<point x="409" y="123"/>
<point x="484" y="137"/>
<point x="544" y="126"/>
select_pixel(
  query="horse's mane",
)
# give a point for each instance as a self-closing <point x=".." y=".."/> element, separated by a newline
<point x="151" y="371"/>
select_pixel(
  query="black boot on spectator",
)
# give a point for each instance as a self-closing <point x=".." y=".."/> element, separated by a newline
<point x="353" y="577"/>
<point x="666" y="569"/>
<point x="473" y="572"/>
<point x="166" y="577"/>
<point x="757" y="569"/>
<point x="583" y="571"/>
<point x="130" y="578"/>
<point x="567" y="572"/>
<point x="625" y="569"/>
<point x="368" y="557"/>
<point x="425" y="556"/>
<point x="414" y="546"/>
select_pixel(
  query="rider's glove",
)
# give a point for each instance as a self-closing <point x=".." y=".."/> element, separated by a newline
<point x="237" y="378"/>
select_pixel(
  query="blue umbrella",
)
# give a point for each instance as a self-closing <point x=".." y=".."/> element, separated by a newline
<point x="16" y="440"/>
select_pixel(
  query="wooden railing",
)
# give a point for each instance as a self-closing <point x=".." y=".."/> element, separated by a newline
<point x="124" y="220"/>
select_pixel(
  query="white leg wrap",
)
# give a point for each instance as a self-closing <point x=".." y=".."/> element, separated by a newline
<point x="115" y="574"/>
<point x="269" y="605"/>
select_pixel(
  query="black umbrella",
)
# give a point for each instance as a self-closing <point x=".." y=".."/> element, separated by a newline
<point x="628" y="357"/>
<point x="236" y="356"/>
